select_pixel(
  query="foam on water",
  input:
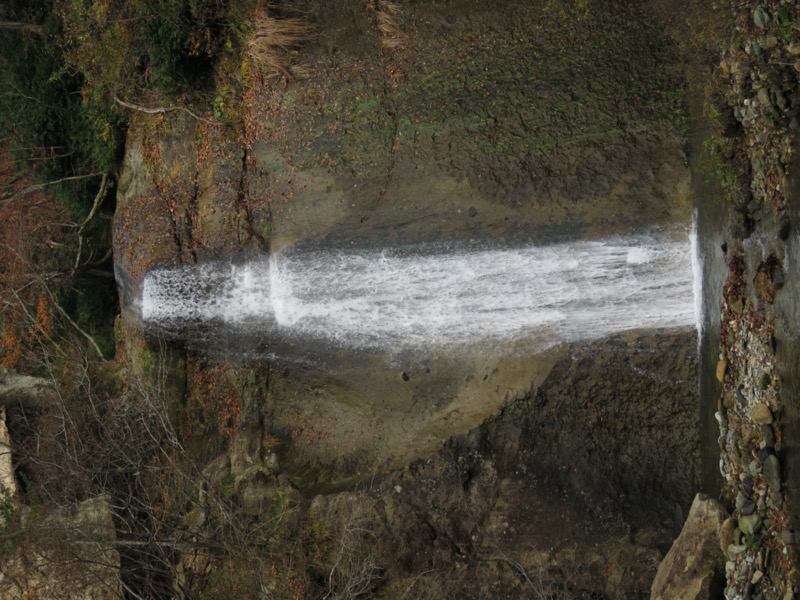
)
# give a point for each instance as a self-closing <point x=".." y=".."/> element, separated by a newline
<point x="407" y="300"/>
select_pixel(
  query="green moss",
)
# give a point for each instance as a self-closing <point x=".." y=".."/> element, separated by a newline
<point x="507" y="95"/>
<point x="226" y="485"/>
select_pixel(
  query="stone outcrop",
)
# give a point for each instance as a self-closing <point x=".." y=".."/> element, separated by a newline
<point x="67" y="554"/>
<point x="8" y="482"/>
<point x="22" y="390"/>
<point x="693" y="569"/>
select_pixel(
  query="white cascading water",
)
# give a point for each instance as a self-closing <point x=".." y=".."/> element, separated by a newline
<point x="408" y="300"/>
<point x="697" y="272"/>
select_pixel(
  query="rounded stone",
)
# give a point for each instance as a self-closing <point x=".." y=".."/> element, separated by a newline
<point x="761" y="414"/>
<point x="722" y="367"/>
<point x="745" y="505"/>
<point x="772" y="473"/>
<point x="788" y="537"/>
<point x="727" y="533"/>
<point x="760" y="17"/>
<point x="749" y="524"/>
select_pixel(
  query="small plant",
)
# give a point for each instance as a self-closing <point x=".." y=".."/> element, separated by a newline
<point x="226" y="485"/>
<point x="218" y="107"/>
<point x="752" y="541"/>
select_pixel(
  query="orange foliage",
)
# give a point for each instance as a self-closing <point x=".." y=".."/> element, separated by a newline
<point x="11" y="347"/>
<point x="31" y="226"/>
<point x="213" y="404"/>
<point x="43" y="321"/>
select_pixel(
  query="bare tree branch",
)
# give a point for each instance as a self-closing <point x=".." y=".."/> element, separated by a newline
<point x="98" y="200"/>
<point x="77" y="327"/>
<point x="161" y="109"/>
<point x="15" y="26"/>
<point x="31" y="189"/>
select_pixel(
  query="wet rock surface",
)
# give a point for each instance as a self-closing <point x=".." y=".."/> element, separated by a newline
<point x="563" y="491"/>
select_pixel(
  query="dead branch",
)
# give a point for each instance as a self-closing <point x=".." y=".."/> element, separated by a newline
<point x="77" y="327"/>
<point x="31" y="189"/>
<point x="161" y="110"/>
<point x="15" y="26"/>
<point x="98" y="200"/>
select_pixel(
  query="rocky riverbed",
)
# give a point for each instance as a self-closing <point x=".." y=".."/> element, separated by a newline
<point x="757" y="104"/>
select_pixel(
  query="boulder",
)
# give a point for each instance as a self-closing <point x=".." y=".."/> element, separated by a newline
<point x="8" y="482"/>
<point x="23" y="390"/>
<point x="694" y="568"/>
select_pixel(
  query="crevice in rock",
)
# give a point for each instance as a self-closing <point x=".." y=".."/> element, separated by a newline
<point x="191" y="212"/>
<point x="176" y="237"/>
<point x="243" y="206"/>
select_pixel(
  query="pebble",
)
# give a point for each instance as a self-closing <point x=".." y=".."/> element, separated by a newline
<point x="727" y="534"/>
<point x="740" y="396"/>
<point x="735" y="549"/>
<point x="722" y="367"/>
<point x="745" y="505"/>
<point x="761" y="414"/>
<point x="733" y="437"/>
<point x="760" y="18"/>
<point x="763" y="97"/>
<point x="772" y="473"/>
<point x="763" y="453"/>
<point x="749" y="524"/>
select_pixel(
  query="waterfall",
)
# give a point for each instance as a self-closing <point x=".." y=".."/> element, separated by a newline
<point x="697" y="278"/>
<point x="413" y="298"/>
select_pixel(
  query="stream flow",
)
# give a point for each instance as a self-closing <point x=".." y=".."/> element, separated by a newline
<point x="409" y="299"/>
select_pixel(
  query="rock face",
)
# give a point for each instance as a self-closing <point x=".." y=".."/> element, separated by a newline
<point x="694" y="567"/>
<point x="496" y="128"/>
<point x="22" y="390"/>
<point x="568" y="482"/>
<point x="8" y="482"/>
<point x="494" y="123"/>
<point x="83" y="564"/>
<point x="491" y="130"/>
